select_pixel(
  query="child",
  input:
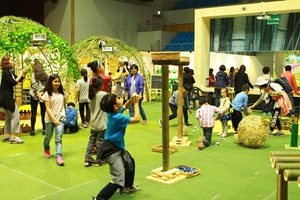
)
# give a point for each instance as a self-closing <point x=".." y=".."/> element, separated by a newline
<point x="224" y="106"/>
<point x="98" y="120"/>
<point x="173" y="104"/>
<point x="205" y="116"/>
<point x="121" y="164"/>
<point x="240" y="100"/>
<point x="54" y="98"/>
<point x="71" y="125"/>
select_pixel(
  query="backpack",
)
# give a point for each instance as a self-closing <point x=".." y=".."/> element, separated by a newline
<point x="71" y="117"/>
<point x="284" y="84"/>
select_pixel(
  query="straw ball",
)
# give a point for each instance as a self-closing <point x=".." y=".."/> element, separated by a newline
<point x="253" y="131"/>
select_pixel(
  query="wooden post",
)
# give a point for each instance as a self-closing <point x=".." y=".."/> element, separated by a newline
<point x="165" y="59"/>
<point x="184" y="61"/>
<point x="180" y="102"/>
<point x="165" y="117"/>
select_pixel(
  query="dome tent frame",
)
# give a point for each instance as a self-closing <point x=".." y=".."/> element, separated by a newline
<point x="101" y="47"/>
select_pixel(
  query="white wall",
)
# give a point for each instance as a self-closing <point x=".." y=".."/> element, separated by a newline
<point x="97" y="17"/>
<point x="146" y="39"/>
<point x="253" y="64"/>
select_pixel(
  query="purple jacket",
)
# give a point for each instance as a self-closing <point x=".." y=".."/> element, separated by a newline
<point x="139" y="84"/>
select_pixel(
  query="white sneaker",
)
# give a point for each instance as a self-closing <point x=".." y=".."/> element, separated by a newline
<point x="223" y="135"/>
<point x="219" y="134"/>
<point x="271" y="133"/>
<point x="280" y="133"/>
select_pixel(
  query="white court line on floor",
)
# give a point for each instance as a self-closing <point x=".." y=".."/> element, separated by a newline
<point x="30" y="177"/>
<point x="63" y="190"/>
<point x="272" y="195"/>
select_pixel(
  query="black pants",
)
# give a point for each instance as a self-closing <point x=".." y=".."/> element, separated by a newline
<point x="34" y="104"/>
<point x="275" y="119"/>
<point x="174" y="113"/>
<point x="81" y="112"/>
<point x="237" y="116"/>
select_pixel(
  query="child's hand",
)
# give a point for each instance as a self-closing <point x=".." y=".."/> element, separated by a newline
<point x="135" y="98"/>
<point x="56" y="123"/>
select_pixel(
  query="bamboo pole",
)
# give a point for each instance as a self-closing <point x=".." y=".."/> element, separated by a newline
<point x="284" y="153"/>
<point x="291" y="174"/>
<point x="280" y="167"/>
<point x="287" y="159"/>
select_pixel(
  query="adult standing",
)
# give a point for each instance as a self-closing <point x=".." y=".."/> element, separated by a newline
<point x="292" y="81"/>
<point x="221" y="82"/>
<point x="120" y="83"/>
<point x="282" y="104"/>
<point x="240" y="79"/>
<point x="38" y="81"/>
<point x="81" y="95"/>
<point x="7" y="99"/>
<point x="134" y="83"/>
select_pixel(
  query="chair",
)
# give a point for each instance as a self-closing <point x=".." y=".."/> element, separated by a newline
<point x="174" y="85"/>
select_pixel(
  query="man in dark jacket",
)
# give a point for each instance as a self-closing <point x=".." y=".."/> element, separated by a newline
<point x="221" y="82"/>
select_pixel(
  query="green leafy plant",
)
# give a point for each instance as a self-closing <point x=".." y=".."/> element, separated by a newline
<point x="16" y="36"/>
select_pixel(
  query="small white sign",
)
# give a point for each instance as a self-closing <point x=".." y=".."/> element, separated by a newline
<point x="107" y="49"/>
<point x="39" y="37"/>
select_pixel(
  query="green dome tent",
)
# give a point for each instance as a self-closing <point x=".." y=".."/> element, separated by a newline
<point x="18" y="36"/>
<point x="100" y="47"/>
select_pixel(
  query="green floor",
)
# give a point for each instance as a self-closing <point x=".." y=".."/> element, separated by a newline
<point x="228" y="171"/>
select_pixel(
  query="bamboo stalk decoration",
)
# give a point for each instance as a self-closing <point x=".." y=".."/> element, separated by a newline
<point x="280" y="167"/>
<point x="284" y="153"/>
<point x="277" y="159"/>
<point x="291" y="174"/>
<point x="165" y="59"/>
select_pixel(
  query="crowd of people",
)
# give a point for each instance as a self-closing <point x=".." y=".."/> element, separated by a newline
<point x="102" y="110"/>
<point x="276" y="99"/>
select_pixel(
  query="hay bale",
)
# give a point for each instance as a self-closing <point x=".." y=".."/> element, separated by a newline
<point x="253" y="131"/>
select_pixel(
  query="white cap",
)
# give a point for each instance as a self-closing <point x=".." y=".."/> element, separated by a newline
<point x="261" y="81"/>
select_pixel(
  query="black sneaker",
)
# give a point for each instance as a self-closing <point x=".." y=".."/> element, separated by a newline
<point x="188" y="124"/>
<point x="134" y="188"/>
<point x="88" y="162"/>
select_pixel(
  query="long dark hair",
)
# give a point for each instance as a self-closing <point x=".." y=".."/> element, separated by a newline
<point x="39" y="72"/>
<point x="83" y="73"/>
<point x="48" y="88"/>
<point x="95" y="86"/>
<point x="94" y="65"/>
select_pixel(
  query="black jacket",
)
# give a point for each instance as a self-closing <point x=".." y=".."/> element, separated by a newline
<point x="7" y="100"/>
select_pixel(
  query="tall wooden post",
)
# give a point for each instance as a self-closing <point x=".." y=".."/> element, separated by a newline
<point x="165" y="117"/>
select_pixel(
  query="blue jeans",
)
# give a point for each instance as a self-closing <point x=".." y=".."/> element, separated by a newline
<point x="58" y="137"/>
<point x="142" y="112"/>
